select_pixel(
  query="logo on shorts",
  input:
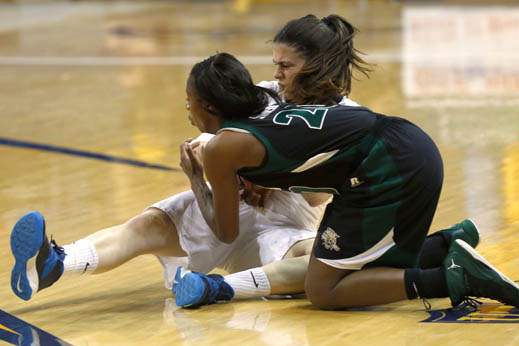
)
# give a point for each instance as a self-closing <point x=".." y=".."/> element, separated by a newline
<point x="329" y="238"/>
<point x="355" y="182"/>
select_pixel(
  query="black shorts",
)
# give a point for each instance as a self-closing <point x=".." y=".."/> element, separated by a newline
<point x="383" y="212"/>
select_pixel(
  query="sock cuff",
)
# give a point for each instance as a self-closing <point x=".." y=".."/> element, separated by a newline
<point x="411" y="277"/>
<point x="87" y="245"/>
<point x="81" y="256"/>
<point x="250" y="283"/>
<point x="260" y="278"/>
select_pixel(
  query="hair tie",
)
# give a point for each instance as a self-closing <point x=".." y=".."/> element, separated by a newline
<point x="325" y="20"/>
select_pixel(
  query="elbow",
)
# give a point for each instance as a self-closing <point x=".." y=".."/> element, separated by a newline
<point x="227" y="238"/>
<point x="315" y="199"/>
<point x="314" y="203"/>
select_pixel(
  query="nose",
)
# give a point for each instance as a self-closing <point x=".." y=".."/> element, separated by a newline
<point x="278" y="75"/>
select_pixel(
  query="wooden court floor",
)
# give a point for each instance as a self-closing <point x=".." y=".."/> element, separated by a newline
<point x="108" y="78"/>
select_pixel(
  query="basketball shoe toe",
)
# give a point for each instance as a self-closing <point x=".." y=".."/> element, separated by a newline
<point x="468" y="274"/>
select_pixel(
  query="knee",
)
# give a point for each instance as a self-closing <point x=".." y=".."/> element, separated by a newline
<point x="148" y="221"/>
<point x="320" y="295"/>
<point x="300" y="249"/>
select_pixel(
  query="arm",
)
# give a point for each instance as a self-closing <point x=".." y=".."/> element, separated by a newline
<point x="222" y="157"/>
<point x="225" y="230"/>
<point x="192" y="167"/>
<point x="253" y="194"/>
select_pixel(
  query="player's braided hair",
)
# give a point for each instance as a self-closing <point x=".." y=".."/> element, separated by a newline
<point x="327" y="46"/>
<point x="224" y="83"/>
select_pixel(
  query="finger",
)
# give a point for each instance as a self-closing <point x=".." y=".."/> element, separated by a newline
<point x="264" y="196"/>
<point x="254" y="199"/>
<point x="191" y="155"/>
<point x="183" y="151"/>
<point x="246" y="196"/>
<point x="247" y="184"/>
<point x="195" y="160"/>
<point x="184" y="158"/>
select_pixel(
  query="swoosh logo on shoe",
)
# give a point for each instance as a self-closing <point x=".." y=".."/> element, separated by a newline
<point x="183" y="272"/>
<point x="18" y="284"/>
<point x="254" y="280"/>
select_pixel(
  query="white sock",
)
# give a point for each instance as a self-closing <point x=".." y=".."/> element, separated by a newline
<point x="250" y="283"/>
<point x="81" y="256"/>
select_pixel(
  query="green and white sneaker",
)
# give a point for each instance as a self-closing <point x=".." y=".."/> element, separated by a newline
<point x="466" y="230"/>
<point x="468" y="274"/>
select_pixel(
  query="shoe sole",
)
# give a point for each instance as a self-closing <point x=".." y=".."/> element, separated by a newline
<point x="26" y="240"/>
<point x="189" y="288"/>
<point x="481" y="259"/>
<point x="478" y="233"/>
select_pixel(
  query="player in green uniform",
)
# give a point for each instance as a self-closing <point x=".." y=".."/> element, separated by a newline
<point x="385" y="174"/>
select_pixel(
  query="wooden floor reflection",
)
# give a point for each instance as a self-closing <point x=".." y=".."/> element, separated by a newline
<point x="109" y="77"/>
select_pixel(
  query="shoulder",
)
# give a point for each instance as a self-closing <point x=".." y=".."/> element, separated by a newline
<point x="237" y="149"/>
<point x="348" y="102"/>
<point x="272" y="85"/>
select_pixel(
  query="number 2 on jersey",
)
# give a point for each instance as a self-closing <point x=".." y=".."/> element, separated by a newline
<point x="313" y="118"/>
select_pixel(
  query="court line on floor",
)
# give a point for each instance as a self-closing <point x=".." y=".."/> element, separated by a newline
<point x="154" y="61"/>
<point x="84" y="154"/>
<point x="375" y="58"/>
<point x="18" y="332"/>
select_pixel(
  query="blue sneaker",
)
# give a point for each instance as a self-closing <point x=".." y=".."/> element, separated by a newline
<point x="194" y="289"/>
<point x="38" y="262"/>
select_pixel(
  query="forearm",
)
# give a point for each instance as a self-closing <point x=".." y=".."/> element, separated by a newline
<point x="204" y="198"/>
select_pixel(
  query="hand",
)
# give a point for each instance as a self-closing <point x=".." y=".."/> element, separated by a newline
<point x="253" y="194"/>
<point x="189" y="163"/>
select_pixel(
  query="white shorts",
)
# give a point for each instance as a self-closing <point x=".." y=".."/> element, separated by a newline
<point x="266" y="234"/>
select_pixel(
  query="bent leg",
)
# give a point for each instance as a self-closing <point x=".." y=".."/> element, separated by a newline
<point x="331" y="288"/>
<point x="151" y="232"/>
<point x="436" y="245"/>
<point x="287" y="276"/>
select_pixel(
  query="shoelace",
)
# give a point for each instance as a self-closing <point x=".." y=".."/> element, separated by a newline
<point x="60" y="250"/>
<point x="426" y="304"/>
<point x="476" y="291"/>
<point x="474" y="303"/>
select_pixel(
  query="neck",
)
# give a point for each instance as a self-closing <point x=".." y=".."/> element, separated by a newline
<point x="215" y="125"/>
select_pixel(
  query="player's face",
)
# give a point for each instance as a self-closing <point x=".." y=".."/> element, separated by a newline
<point x="288" y="64"/>
<point x="197" y="114"/>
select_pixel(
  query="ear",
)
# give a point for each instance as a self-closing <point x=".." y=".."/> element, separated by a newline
<point x="209" y="109"/>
